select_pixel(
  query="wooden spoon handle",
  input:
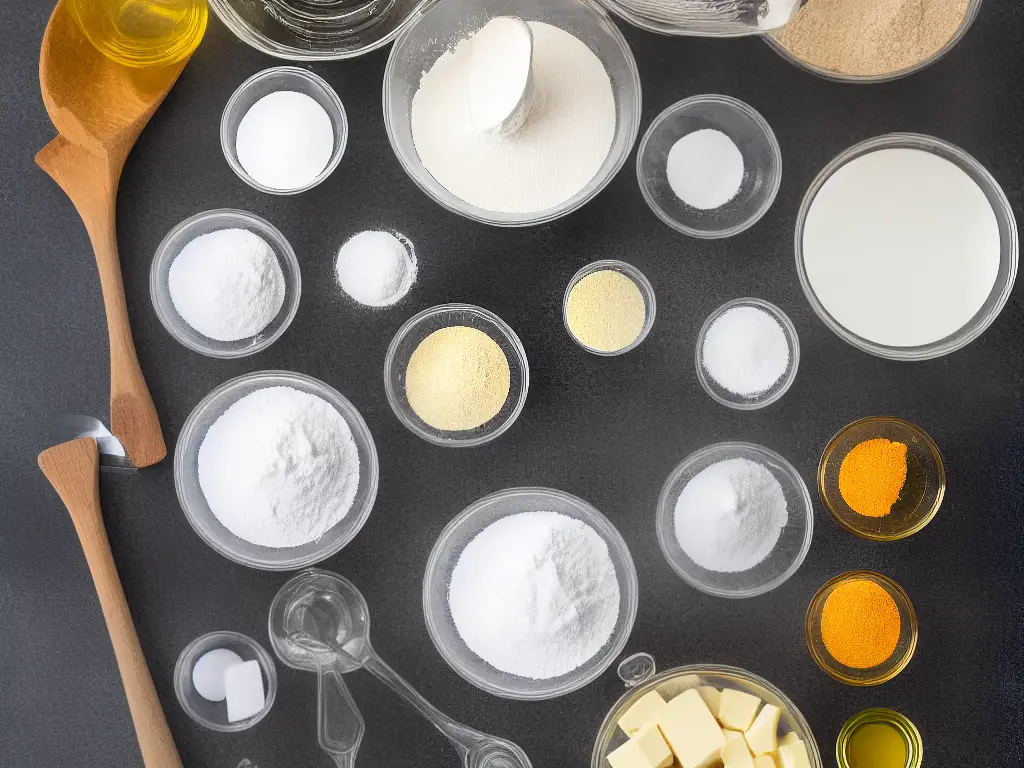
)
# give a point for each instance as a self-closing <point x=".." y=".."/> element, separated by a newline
<point x="90" y="180"/>
<point x="73" y="470"/>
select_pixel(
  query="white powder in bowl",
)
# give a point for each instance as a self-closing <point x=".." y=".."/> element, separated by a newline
<point x="376" y="268"/>
<point x="279" y="468"/>
<point x="705" y="169"/>
<point x="535" y="594"/>
<point x="746" y="351"/>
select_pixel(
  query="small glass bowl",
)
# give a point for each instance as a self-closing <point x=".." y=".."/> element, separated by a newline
<point x="968" y="22"/>
<point x="204" y="223"/>
<point x="774" y="393"/>
<point x="445" y="555"/>
<point x="675" y="681"/>
<point x="270" y="81"/>
<point x="641" y="282"/>
<point x="1008" y="237"/>
<point x="892" y="666"/>
<point x="789" y="552"/>
<point x="421" y="325"/>
<point x="762" y="160"/>
<point x="210" y="529"/>
<point x="214" y="714"/>
<point x="437" y="25"/>
<point x="896" y="721"/>
<point x="922" y="493"/>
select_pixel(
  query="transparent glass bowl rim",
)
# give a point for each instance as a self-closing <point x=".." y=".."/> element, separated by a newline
<point x="669" y="30"/>
<point x="1010" y="250"/>
<point x="267" y="667"/>
<point x="642" y="283"/>
<point x="435" y="191"/>
<point x="666" y="516"/>
<point x="702" y="670"/>
<point x="926" y="440"/>
<point x="339" y="123"/>
<point x="282" y="248"/>
<point x="890" y="717"/>
<point x="969" y="18"/>
<point x="395" y="402"/>
<point x="278" y="378"/>
<point x="794" y="354"/>
<point x="628" y="588"/>
<point x="770" y="139"/>
<point x="890" y="672"/>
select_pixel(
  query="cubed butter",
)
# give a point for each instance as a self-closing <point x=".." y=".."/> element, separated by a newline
<point x="730" y="735"/>
<point x="736" y="755"/>
<point x="737" y="709"/>
<point x="691" y="731"/>
<point x="765" y="761"/>
<point x="794" y="755"/>
<point x="762" y="735"/>
<point x="712" y="697"/>
<point x="790" y="738"/>
<point x="677" y="685"/>
<point x="645" y="711"/>
<point x="647" y="749"/>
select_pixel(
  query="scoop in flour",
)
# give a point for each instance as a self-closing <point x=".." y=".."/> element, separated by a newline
<point x="501" y="75"/>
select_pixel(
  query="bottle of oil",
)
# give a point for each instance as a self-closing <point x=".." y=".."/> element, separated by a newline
<point x="142" y="33"/>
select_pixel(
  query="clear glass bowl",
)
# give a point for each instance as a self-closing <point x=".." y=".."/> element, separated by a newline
<point x="214" y="714"/>
<point x="440" y="24"/>
<point x="270" y="81"/>
<point x="968" y="22"/>
<point x="771" y="395"/>
<point x="762" y="160"/>
<point x="415" y="330"/>
<point x="789" y="552"/>
<point x="896" y="721"/>
<point x="445" y="555"/>
<point x="204" y="223"/>
<point x="675" y="681"/>
<point x="210" y="529"/>
<point x="641" y="282"/>
<point x="675" y="29"/>
<point x="1008" y="257"/>
<point x="885" y="671"/>
<point x="301" y="30"/>
<point x="922" y="493"/>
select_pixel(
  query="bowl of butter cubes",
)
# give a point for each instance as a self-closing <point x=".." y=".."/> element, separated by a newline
<point x="705" y="716"/>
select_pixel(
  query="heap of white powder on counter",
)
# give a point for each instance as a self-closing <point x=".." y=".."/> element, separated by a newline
<point x="376" y="268"/>
<point x="746" y="351"/>
<point x="279" y="468"/>
<point x="535" y="594"/>
<point x="730" y="515"/>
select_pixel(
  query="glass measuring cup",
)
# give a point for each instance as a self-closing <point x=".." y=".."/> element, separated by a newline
<point x="321" y="618"/>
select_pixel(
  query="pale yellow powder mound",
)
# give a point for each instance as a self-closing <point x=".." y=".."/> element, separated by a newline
<point x="871" y="37"/>
<point x="457" y="379"/>
<point x="606" y="311"/>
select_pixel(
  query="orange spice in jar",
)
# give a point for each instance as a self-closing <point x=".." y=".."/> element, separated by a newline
<point x="872" y="476"/>
<point x="860" y="624"/>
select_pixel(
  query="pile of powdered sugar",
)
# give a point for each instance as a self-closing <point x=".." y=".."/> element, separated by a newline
<point x="535" y="594"/>
<point x="561" y="147"/>
<point x="279" y="468"/>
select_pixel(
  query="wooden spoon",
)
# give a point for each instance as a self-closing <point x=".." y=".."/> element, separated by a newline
<point x="99" y="108"/>
<point x="73" y="470"/>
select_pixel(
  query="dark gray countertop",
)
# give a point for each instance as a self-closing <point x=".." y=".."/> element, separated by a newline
<point x="608" y="430"/>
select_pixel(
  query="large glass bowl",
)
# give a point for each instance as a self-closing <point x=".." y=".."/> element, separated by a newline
<point x="213" y="532"/>
<point x="445" y="555"/>
<point x="675" y="681"/>
<point x="1008" y="253"/>
<point x="440" y="24"/>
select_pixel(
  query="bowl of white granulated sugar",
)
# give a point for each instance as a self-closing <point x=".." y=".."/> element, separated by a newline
<point x="276" y="470"/>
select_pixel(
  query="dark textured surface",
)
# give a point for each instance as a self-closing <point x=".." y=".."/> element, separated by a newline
<point x="608" y="430"/>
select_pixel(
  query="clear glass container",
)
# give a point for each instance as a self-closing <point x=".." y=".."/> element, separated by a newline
<point x="899" y="723"/>
<point x="744" y="17"/>
<point x="445" y="555"/>
<point x="440" y="24"/>
<point x="142" y="33"/>
<point x="202" y="224"/>
<point x="641" y="282"/>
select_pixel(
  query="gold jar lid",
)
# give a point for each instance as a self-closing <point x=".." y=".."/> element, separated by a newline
<point x="901" y="730"/>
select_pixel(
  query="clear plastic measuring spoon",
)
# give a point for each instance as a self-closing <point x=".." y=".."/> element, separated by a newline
<point x="320" y="615"/>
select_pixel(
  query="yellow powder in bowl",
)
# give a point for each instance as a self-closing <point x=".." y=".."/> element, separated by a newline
<point x="605" y="311"/>
<point x="457" y="379"/>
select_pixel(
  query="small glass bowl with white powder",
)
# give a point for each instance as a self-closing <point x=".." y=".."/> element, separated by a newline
<point x="465" y="530"/>
<point x="188" y="472"/>
<point x="709" y="166"/>
<point x="747" y="354"/>
<point x="743" y="511"/>
<point x="284" y="130"/>
<point x="205" y="296"/>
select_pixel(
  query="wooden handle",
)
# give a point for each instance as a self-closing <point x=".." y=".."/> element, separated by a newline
<point x="90" y="179"/>
<point x="73" y="470"/>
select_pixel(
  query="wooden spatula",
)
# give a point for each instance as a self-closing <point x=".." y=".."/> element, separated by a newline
<point x="73" y="470"/>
